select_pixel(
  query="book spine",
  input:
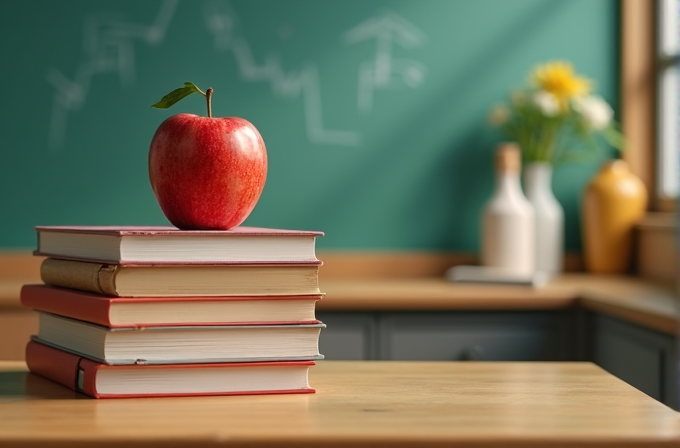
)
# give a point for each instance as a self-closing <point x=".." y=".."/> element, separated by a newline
<point x="92" y="277"/>
<point x="68" y="303"/>
<point x="107" y="279"/>
<point x="56" y="365"/>
<point x="65" y="368"/>
<point x="80" y="374"/>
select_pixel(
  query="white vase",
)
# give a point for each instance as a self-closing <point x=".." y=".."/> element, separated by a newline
<point x="548" y="216"/>
<point x="508" y="219"/>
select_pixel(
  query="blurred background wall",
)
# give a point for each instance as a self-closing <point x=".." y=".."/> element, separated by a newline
<point x="400" y="159"/>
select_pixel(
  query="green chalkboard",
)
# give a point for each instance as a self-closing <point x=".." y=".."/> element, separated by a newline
<point x="373" y="111"/>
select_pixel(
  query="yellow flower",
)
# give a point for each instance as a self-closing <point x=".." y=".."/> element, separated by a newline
<point x="559" y="79"/>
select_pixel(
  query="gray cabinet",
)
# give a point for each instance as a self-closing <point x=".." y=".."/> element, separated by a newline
<point x="348" y="336"/>
<point x="644" y="358"/>
<point x="477" y="335"/>
<point x="469" y="336"/>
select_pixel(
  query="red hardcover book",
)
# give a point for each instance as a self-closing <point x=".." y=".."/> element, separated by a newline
<point x="105" y="381"/>
<point x="159" y="245"/>
<point x="169" y="311"/>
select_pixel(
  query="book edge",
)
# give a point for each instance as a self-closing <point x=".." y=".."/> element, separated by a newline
<point x="167" y="230"/>
<point x="130" y="362"/>
<point x="302" y="262"/>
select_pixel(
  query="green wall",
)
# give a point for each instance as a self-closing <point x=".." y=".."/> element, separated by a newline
<point x="407" y="165"/>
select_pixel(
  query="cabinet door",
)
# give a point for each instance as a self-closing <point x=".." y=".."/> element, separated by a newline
<point x="479" y="335"/>
<point x="348" y="336"/>
<point x="644" y="358"/>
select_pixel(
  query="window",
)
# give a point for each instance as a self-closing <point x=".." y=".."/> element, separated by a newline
<point x="668" y="99"/>
<point x="650" y="96"/>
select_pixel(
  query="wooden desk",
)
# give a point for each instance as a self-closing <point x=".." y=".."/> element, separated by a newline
<point x="358" y="404"/>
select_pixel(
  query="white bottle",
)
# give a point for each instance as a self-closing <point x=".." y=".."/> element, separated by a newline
<point x="548" y="216"/>
<point x="508" y="218"/>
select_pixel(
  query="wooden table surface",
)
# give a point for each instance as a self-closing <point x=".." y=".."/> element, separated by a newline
<point x="384" y="403"/>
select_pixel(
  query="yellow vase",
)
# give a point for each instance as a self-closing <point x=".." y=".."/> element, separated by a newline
<point x="614" y="201"/>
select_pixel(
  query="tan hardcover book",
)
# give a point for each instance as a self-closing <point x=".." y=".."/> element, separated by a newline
<point x="132" y="280"/>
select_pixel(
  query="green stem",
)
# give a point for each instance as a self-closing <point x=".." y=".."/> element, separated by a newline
<point x="208" y="96"/>
<point x="546" y="144"/>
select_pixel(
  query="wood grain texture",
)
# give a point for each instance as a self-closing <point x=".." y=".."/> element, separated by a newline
<point x="653" y="305"/>
<point x="358" y="404"/>
<point x="411" y="264"/>
<point x="16" y="269"/>
<point x="21" y="266"/>
<point x="657" y="246"/>
<point x="16" y="328"/>
<point x="638" y="87"/>
<point x="647" y="303"/>
<point x="389" y="264"/>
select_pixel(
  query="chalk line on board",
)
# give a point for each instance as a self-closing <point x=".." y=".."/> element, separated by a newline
<point x="220" y="20"/>
<point x="386" y="72"/>
<point x="108" y="45"/>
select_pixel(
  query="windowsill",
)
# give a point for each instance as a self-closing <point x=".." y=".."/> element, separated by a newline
<point x="667" y="205"/>
<point x="659" y="220"/>
<point x="657" y="246"/>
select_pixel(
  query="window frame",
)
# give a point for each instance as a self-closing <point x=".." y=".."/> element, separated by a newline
<point x="639" y="90"/>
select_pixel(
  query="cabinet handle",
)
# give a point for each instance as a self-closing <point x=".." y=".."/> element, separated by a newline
<point x="474" y="353"/>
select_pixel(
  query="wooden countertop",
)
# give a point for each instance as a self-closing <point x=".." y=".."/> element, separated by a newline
<point x="646" y="303"/>
<point x="411" y="286"/>
<point x="378" y="403"/>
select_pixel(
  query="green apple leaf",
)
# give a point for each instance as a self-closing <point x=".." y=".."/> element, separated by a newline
<point x="177" y="94"/>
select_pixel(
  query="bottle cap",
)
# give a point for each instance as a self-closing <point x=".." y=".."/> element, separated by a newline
<point x="508" y="158"/>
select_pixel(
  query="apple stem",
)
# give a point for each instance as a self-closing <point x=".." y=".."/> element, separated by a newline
<point x="208" y="96"/>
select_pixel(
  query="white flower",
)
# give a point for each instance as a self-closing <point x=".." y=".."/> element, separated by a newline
<point x="546" y="103"/>
<point x="499" y="115"/>
<point x="595" y="111"/>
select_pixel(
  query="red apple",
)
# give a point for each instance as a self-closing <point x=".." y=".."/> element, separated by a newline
<point x="207" y="173"/>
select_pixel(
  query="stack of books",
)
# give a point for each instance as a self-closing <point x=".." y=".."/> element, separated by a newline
<point x="155" y="311"/>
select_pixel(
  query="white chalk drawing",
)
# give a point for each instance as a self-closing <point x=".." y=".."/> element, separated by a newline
<point x="109" y="47"/>
<point x="221" y="22"/>
<point x="385" y="71"/>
